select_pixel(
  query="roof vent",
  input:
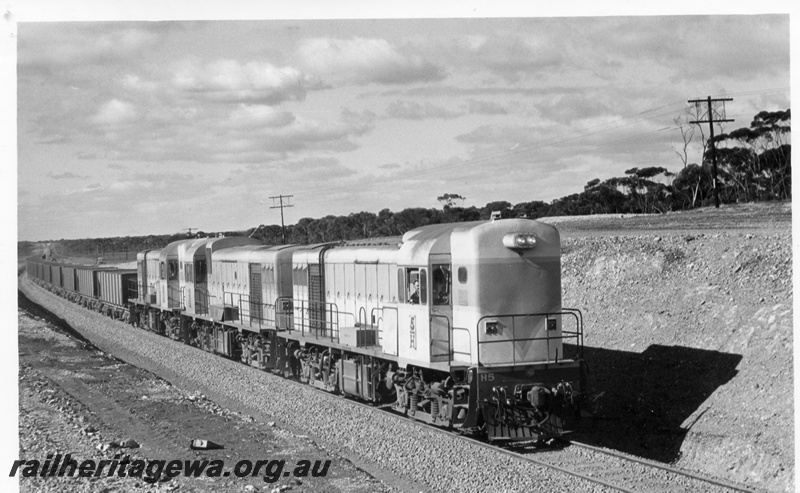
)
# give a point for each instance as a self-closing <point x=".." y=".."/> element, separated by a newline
<point x="495" y="215"/>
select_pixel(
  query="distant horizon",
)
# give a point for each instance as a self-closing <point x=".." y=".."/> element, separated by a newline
<point x="570" y="217"/>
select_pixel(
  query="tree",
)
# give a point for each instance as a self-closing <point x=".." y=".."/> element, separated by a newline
<point x="449" y="200"/>
<point x="461" y="214"/>
<point x="757" y="160"/>
<point x="503" y="207"/>
<point x="687" y="134"/>
<point x="688" y="130"/>
<point x="692" y="184"/>
<point x="531" y="210"/>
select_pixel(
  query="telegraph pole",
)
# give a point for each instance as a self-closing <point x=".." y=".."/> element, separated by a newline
<point x="281" y="205"/>
<point x="711" y="121"/>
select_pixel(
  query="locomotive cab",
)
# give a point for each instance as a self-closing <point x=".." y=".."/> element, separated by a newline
<point x="527" y="365"/>
<point x="485" y="298"/>
<point x="197" y="267"/>
<point x="194" y="279"/>
<point x="169" y="282"/>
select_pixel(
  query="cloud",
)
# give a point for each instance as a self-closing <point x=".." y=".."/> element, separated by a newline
<point x="515" y="57"/>
<point x="366" y="61"/>
<point x="297" y="170"/>
<point x="52" y="47"/>
<point x="576" y="106"/>
<point x="260" y="115"/>
<point x="175" y="124"/>
<point x="485" y="108"/>
<point x="67" y="175"/>
<point x="411" y="110"/>
<point x="504" y="135"/>
<point x="245" y="135"/>
<point x="53" y="139"/>
<point x="361" y="122"/>
<point x="135" y="83"/>
<point x="235" y="81"/>
<point x="115" y="112"/>
<point x="519" y="49"/>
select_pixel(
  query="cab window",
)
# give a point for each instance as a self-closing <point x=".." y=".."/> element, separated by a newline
<point x="423" y="286"/>
<point x="440" y="273"/>
<point x="200" y="271"/>
<point x="172" y="268"/>
<point x="416" y="286"/>
<point x="401" y="284"/>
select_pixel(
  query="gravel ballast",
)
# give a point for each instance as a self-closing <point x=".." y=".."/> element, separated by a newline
<point x="424" y="456"/>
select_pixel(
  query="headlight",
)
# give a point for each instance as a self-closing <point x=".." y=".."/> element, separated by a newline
<point x="520" y="240"/>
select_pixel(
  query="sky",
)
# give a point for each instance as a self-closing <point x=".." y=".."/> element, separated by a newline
<point x="144" y="125"/>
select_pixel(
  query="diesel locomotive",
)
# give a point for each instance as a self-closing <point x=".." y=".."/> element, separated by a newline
<point x="459" y="325"/>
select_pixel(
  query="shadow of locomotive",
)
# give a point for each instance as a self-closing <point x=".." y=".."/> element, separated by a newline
<point x="642" y="400"/>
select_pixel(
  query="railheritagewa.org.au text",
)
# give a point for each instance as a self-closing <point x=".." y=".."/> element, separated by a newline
<point x="151" y="471"/>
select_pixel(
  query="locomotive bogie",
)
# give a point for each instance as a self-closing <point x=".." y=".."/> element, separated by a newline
<point x="318" y="367"/>
<point x="258" y="350"/>
<point x="429" y="396"/>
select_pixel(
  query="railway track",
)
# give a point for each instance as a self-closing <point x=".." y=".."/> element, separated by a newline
<point x="599" y="466"/>
<point x="623" y="472"/>
<point x="725" y="485"/>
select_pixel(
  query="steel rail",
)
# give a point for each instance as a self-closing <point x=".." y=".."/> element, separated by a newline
<point x="527" y="458"/>
<point x="663" y="467"/>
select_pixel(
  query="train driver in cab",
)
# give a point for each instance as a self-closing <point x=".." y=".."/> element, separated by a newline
<point x="414" y="296"/>
<point x="413" y="286"/>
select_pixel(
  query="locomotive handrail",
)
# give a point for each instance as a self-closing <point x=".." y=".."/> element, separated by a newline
<point x="579" y="316"/>
<point x="346" y="316"/>
<point x="577" y="334"/>
<point x="467" y="354"/>
<point x="377" y="326"/>
<point x="182" y="303"/>
<point x="244" y="305"/>
<point x="329" y="323"/>
<point x="372" y="316"/>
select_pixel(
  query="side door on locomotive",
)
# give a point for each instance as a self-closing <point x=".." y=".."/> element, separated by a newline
<point x="420" y="332"/>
